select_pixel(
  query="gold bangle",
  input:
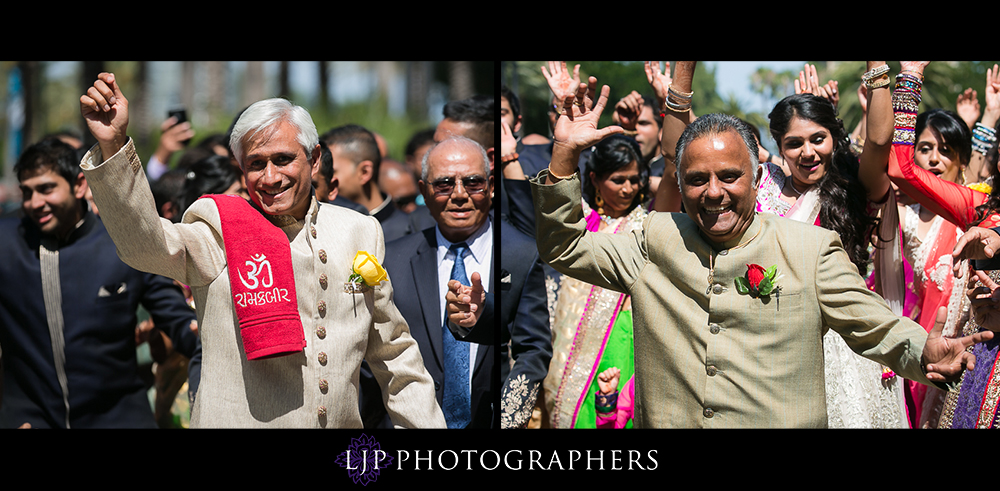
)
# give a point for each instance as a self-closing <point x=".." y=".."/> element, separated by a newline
<point x="670" y="88"/>
<point x="630" y="132"/>
<point x="875" y="72"/>
<point x="557" y="176"/>
<point x="880" y="82"/>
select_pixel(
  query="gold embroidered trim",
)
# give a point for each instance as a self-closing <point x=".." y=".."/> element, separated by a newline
<point x="517" y="402"/>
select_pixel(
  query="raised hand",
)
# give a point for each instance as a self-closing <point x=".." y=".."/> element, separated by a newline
<point x="808" y="83"/>
<point x="967" y="107"/>
<point x="660" y="82"/>
<point x="561" y="83"/>
<point x="173" y="137"/>
<point x="106" y="111"/>
<point x="628" y="110"/>
<point x="832" y="94"/>
<point x="507" y="141"/>
<point x="992" y="111"/>
<point x="576" y="128"/>
<point x="913" y="66"/>
<point x="607" y="380"/>
<point x="465" y="303"/>
<point x="945" y="358"/>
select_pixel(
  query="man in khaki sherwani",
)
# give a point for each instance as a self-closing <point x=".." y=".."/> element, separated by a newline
<point x="317" y="387"/>
<point x="707" y="355"/>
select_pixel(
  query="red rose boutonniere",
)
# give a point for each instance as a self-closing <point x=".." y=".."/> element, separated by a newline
<point x="758" y="282"/>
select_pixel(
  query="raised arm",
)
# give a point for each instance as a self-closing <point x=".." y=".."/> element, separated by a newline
<point x="106" y="111"/>
<point x="954" y="202"/>
<point x="607" y="260"/>
<point x="576" y="129"/>
<point x="878" y="131"/>
<point x="984" y="132"/>
<point x="678" y="115"/>
<point x="191" y="253"/>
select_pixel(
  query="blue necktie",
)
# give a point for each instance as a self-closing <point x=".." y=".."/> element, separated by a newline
<point x="457" y="403"/>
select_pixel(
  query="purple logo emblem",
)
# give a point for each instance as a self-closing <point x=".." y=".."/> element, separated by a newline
<point x="363" y="459"/>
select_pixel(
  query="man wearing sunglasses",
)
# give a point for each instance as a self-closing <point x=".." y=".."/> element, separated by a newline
<point x="457" y="188"/>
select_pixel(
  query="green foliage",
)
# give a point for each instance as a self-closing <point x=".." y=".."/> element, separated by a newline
<point x="622" y="77"/>
<point x="742" y="285"/>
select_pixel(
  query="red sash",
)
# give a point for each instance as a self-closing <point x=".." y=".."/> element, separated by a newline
<point x="262" y="280"/>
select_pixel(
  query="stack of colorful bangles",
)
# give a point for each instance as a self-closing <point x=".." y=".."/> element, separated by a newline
<point x="905" y="105"/>
<point x="983" y="138"/>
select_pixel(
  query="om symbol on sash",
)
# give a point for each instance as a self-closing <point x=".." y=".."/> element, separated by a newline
<point x="255" y="270"/>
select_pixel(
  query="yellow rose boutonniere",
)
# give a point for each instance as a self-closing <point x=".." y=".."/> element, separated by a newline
<point x="367" y="270"/>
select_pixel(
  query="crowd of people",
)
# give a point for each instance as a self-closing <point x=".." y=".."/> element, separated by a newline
<point x="850" y="279"/>
<point x="273" y="276"/>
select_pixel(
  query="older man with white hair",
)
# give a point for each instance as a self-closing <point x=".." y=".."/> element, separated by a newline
<point x="284" y="322"/>
<point x="457" y="187"/>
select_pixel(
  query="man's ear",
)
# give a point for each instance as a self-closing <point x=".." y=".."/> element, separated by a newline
<point x="316" y="159"/>
<point x="366" y="170"/>
<point x="334" y="186"/>
<point x="80" y="187"/>
<point x="423" y="190"/>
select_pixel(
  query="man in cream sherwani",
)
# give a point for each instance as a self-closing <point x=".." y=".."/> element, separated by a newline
<point x="710" y="354"/>
<point x="277" y="146"/>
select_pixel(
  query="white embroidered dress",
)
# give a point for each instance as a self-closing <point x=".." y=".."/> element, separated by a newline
<point x="856" y="394"/>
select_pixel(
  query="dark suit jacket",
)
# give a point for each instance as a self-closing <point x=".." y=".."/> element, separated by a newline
<point x="524" y="318"/>
<point x="395" y="222"/>
<point x="100" y="297"/>
<point x="411" y="262"/>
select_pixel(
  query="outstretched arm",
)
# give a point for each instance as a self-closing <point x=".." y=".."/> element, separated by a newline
<point x="945" y="358"/>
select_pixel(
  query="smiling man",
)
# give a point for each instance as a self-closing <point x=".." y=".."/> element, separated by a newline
<point x="68" y="326"/>
<point x="457" y="187"/>
<point x="283" y="331"/>
<point x="716" y="346"/>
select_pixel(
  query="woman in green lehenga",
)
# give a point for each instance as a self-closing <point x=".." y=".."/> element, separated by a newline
<point x="592" y="328"/>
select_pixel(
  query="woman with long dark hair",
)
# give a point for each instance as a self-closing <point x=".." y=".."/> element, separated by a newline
<point x="592" y="328"/>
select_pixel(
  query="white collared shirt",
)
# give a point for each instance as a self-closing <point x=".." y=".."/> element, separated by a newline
<point x="478" y="260"/>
